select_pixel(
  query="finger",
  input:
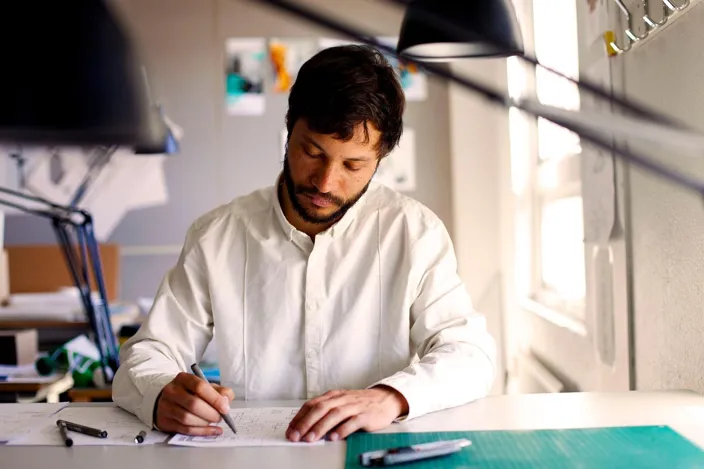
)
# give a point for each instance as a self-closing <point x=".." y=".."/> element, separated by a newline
<point x="172" y="426"/>
<point x="172" y="411"/>
<point x="348" y="427"/>
<point x="317" y="412"/>
<point x="303" y="411"/>
<point x="332" y="419"/>
<point x="197" y="406"/>
<point x="205" y="391"/>
<point x="180" y="396"/>
<point x="225" y="391"/>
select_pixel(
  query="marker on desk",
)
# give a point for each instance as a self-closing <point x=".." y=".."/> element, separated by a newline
<point x="226" y="417"/>
<point x="140" y="437"/>
<point x="78" y="428"/>
<point x="64" y="433"/>
<point x="388" y="457"/>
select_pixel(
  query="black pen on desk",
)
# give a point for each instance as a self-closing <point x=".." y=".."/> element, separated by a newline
<point x="140" y="437"/>
<point x="78" y="428"/>
<point x="64" y="433"/>
<point x="225" y="416"/>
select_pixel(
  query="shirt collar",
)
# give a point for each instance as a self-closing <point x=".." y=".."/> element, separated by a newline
<point x="334" y="231"/>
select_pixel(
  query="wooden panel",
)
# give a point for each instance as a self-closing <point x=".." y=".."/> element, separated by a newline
<point x="42" y="268"/>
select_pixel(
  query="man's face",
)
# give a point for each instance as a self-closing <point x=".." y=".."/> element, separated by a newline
<point x="325" y="176"/>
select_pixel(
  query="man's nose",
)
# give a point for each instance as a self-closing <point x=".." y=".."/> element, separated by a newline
<point x="326" y="179"/>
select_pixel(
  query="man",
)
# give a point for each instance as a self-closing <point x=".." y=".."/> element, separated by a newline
<point x="326" y="287"/>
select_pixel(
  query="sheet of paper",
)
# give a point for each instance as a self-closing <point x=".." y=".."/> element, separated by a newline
<point x="108" y="199"/>
<point x="264" y="426"/>
<point x="126" y="182"/>
<point x="398" y="169"/>
<point x="18" y="420"/>
<point x="122" y="428"/>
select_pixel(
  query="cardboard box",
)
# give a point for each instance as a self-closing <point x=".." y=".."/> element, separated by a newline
<point x="42" y="268"/>
<point x="18" y="347"/>
<point x="4" y="278"/>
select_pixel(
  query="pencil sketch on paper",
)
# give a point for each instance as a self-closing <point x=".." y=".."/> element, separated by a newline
<point x="264" y="426"/>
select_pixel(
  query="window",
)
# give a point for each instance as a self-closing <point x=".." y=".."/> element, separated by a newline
<point x="545" y="165"/>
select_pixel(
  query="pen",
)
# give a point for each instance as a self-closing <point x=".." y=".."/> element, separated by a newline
<point x="77" y="427"/>
<point x="140" y="437"/>
<point x="226" y="417"/>
<point x="403" y="454"/>
<point x="64" y="433"/>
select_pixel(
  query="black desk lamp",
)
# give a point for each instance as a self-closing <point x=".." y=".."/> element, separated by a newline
<point x="477" y="29"/>
<point x="443" y="30"/>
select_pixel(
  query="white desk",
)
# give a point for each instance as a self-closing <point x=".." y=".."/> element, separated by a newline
<point x="683" y="411"/>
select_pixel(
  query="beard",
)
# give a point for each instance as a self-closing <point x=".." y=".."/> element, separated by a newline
<point x="296" y="191"/>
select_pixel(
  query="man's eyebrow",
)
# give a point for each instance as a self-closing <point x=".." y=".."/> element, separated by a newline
<point x="361" y="159"/>
<point x="314" y="143"/>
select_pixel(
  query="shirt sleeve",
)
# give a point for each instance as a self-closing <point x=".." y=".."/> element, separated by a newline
<point x="172" y="338"/>
<point x="455" y="353"/>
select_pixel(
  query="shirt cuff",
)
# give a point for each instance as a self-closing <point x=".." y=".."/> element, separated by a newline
<point x="402" y="383"/>
<point x="149" y="399"/>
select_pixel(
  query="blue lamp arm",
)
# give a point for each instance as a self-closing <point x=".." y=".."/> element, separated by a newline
<point x="74" y="227"/>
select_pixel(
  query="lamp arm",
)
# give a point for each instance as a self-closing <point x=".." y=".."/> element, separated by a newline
<point x="100" y="158"/>
<point x="62" y="220"/>
<point x="489" y="94"/>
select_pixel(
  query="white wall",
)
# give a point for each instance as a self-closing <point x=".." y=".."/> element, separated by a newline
<point x="478" y="139"/>
<point x="667" y="223"/>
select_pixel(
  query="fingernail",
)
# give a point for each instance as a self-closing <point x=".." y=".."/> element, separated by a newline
<point x="333" y="437"/>
<point x="295" y="436"/>
<point x="310" y="437"/>
<point x="225" y="404"/>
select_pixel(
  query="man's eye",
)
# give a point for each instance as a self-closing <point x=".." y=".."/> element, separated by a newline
<point x="353" y="168"/>
<point x="313" y="155"/>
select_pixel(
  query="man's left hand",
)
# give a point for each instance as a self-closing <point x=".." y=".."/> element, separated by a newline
<point x="339" y="413"/>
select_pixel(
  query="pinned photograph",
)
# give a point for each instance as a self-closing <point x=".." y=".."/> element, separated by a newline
<point x="286" y="57"/>
<point x="413" y="81"/>
<point x="245" y="64"/>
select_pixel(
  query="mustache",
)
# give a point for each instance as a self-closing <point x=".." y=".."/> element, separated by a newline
<point x="311" y="191"/>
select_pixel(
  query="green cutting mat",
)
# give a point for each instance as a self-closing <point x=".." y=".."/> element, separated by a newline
<point x="586" y="448"/>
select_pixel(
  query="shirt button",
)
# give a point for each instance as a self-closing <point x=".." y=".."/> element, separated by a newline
<point x="311" y="353"/>
<point x="311" y="305"/>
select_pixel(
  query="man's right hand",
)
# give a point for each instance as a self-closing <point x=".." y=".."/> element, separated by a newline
<point x="188" y="405"/>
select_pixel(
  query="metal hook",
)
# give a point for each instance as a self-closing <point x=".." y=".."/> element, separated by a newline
<point x="676" y="8"/>
<point x="612" y="44"/>
<point x="652" y="24"/>
<point x="629" y="31"/>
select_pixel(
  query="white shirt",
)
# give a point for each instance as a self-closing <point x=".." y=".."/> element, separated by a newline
<point x="376" y="299"/>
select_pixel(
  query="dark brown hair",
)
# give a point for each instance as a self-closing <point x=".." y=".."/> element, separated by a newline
<point x="342" y="87"/>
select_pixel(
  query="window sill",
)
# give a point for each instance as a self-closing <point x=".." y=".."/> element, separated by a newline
<point x="557" y="318"/>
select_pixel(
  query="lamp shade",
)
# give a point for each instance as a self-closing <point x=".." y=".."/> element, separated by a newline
<point x="442" y="30"/>
<point x="70" y="76"/>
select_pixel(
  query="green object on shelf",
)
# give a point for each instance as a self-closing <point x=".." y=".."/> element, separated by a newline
<point x="78" y="356"/>
<point x="617" y="447"/>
